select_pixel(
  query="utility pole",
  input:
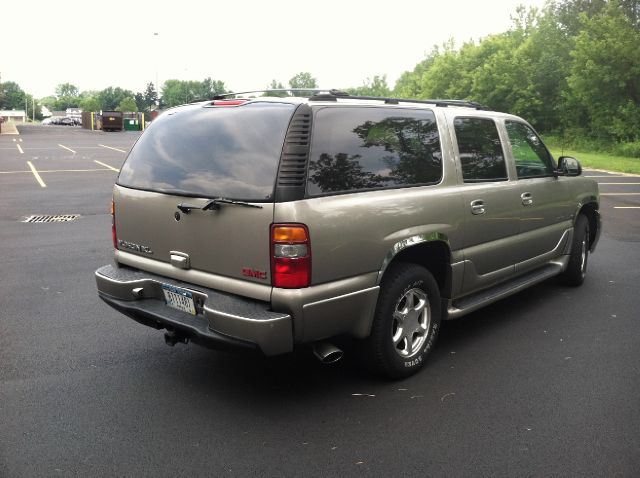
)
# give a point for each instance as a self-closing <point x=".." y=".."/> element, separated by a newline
<point x="157" y="62"/>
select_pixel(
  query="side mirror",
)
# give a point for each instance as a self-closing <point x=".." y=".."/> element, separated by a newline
<point x="569" y="166"/>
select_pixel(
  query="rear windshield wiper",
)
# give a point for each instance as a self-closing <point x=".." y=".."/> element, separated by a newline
<point x="214" y="205"/>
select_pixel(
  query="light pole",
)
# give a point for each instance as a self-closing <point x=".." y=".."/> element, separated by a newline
<point x="157" y="35"/>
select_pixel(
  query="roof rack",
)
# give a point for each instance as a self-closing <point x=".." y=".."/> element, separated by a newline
<point x="222" y="96"/>
<point x="333" y="95"/>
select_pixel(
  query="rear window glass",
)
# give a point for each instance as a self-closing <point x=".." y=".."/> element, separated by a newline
<point x="228" y="152"/>
<point x="369" y="148"/>
<point x="480" y="150"/>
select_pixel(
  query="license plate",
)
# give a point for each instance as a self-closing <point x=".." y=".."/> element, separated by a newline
<point x="179" y="298"/>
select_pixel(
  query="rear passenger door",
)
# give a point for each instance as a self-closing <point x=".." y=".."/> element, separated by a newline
<point x="491" y="202"/>
<point x="543" y="199"/>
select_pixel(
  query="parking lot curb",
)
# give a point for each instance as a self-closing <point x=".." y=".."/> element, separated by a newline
<point x="617" y="173"/>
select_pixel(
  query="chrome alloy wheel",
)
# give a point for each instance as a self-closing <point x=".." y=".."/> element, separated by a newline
<point x="411" y="321"/>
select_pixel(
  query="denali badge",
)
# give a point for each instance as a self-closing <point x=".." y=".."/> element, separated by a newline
<point x="248" y="272"/>
<point x="134" y="247"/>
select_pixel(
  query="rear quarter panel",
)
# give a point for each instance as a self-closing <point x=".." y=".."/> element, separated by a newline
<point x="351" y="234"/>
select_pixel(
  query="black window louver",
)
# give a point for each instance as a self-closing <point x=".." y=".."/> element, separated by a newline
<point x="295" y="156"/>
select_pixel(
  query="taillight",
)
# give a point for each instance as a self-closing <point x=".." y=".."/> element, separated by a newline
<point x="290" y="256"/>
<point x="114" y="235"/>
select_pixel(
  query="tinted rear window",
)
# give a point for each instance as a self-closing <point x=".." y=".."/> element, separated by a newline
<point x="480" y="150"/>
<point x="231" y="152"/>
<point x="369" y="148"/>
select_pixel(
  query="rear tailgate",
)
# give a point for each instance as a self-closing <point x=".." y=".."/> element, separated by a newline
<point x="191" y="155"/>
<point x="232" y="241"/>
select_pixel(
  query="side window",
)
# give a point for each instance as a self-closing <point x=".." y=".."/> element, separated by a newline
<point x="370" y="148"/>
<point x="480" y="150"/>
<point x="531" y="156"/>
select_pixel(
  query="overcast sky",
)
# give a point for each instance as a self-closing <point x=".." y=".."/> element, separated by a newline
<point x="246" y="44"/>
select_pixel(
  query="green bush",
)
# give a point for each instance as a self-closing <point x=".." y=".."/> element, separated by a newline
<point x="630" y="150"/>
<point x="582" y="143"/>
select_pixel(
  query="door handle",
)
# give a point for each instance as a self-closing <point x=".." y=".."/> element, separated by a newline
<point x="527" y="199"/>
<point x="477" y="207"/>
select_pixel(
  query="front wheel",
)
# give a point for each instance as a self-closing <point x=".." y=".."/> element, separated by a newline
<point x="579" y="256"/>
<point x="406" y="322"/>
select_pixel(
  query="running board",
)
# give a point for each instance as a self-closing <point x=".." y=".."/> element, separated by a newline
<point x="475" y="301"/>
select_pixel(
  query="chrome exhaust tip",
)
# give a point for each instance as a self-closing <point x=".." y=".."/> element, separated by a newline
<point x="327" y="353"/>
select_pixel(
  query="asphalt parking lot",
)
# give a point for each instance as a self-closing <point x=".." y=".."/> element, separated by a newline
<point x="544" y="383"/>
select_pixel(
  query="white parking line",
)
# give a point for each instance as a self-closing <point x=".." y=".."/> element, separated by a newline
<point x="105" y="165"/>
<point x="68" y="149"/>
<point x="59" y="171"/>
<point x="35" y="173"/>
<point x="115" y="149"/>
<point x="20" y="149"/>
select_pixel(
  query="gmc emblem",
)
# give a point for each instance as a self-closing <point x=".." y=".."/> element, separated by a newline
<point x="248" y="272"/>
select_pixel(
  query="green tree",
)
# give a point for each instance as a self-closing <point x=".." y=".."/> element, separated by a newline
<point x="372" y="87"/>
<point x="210" y="88"/>
<point x="148" y="100"/>
<point x="67" y="96"/>
<point x="276" y="85"/>
<point x="569" y="13"/>
<point x="90" y="103"/>
<point x="409" y="83"/>
<point x="111" y="97"/>
<point x="127" y="104"/>
<point x="303" y="80"/>
<point x="545" y="56"/>
<point x="174" y="92"/>
<point x="573" y="66"/>
<point x="178" y="92"/>
<point x="11" y="96"/>
<point x="49" y="102"/>
<point x="445" y="75"/>
<point x="605" y="74"/>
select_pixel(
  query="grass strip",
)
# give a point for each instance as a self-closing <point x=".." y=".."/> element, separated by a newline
<point x="604" y="161"/>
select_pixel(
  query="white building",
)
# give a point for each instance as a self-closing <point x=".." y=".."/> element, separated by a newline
<point x="14" y="116"/>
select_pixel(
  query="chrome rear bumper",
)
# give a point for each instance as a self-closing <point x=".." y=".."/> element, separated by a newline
<point x="221" y="321"/>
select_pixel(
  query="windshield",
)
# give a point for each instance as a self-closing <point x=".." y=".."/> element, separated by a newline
<point x="201" y="151"/>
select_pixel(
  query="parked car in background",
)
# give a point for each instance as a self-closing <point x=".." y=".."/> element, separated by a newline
<point x="61" y="121"/>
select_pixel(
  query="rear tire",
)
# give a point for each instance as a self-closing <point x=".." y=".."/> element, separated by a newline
<point x="406" y="322"/>
<point x="579" y="256"/>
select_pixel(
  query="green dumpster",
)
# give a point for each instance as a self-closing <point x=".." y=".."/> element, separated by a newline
<point x="131" y="124"/>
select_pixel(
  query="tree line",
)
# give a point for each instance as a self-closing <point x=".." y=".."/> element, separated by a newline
<point x="572" y="69"/>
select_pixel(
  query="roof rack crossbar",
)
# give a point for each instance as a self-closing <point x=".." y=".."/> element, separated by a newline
<point x="395" y="101"/>
<point x="222" y="96"/>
